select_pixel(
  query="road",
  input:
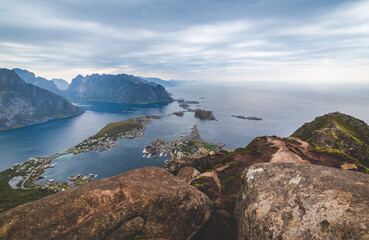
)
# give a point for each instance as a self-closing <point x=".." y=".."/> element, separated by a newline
<point x="51" y="157"/>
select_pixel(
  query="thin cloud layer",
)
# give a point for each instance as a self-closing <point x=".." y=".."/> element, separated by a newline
<point x="204" y="40"/>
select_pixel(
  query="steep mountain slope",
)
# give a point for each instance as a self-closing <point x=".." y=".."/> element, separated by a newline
<point x="61" y="84"/>
<point x="119" y="88"/>
<point x="24" y="104"/>
<point x="30" y="77"/>
<point x="338" y="132"/>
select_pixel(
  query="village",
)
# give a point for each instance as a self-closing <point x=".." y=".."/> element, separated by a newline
<point x="189" y="145"/>
<point x="108" y="136"/>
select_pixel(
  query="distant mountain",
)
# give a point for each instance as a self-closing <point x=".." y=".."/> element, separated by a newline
<point x="61" y="84"/>
<point x="155" y="81"/>
<point x="24" y="104"/>
<point x="29" y="77"/>
<point x="119" y="88"/>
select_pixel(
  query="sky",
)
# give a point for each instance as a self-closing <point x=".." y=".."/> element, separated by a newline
<point x="309" y="41"/>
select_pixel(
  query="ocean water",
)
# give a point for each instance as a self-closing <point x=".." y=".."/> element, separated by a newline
<point x="283" y="108"/>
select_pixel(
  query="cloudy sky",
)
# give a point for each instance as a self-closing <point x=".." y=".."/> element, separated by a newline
<point x="229" y="40"/>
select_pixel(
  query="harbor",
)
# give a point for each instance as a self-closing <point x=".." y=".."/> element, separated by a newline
<point x="190" y="145"/>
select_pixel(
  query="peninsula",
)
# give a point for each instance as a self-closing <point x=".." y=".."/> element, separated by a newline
<point x="21" y="179"/>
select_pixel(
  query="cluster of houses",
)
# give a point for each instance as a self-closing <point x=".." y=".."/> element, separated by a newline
<point x="176" y="148"/>
<point x="79" y="178"/>
<point x="104" y="143"/>
<point x="53" y="186"/>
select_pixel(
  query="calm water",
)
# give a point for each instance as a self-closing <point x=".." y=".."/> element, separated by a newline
<point x="283" y="108"/>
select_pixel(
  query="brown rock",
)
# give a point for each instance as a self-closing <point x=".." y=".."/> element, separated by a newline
<point x="187" y="174"/>
<point x="300" y="201"/>
<point x="147" y="202"/>
<point x="348" y="166"/>
<point x="221" y="169"/>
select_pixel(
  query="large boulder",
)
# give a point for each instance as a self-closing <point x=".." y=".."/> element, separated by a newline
<point x="145" y="203"/>
<point x="301" y="201"/>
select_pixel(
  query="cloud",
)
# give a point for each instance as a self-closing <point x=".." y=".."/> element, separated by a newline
<point x="210" y="40"/>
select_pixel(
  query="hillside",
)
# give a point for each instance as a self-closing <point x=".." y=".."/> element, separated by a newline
<point x="338" y="132"/>
<point x="119" y="88"/>
<point x="24" y="104"/>
<point x="29" y="77"/>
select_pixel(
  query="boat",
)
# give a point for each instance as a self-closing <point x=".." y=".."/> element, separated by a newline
<point x="149" y="156"/>
<point x="166" y="161"/>
<point x="161" y="154"/>
<point x="144" y="155"/>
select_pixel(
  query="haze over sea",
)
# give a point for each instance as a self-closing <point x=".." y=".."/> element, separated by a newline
<point x="283" y="107"/>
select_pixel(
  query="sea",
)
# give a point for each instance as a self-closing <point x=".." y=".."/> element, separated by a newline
<point x="283" y="107"/>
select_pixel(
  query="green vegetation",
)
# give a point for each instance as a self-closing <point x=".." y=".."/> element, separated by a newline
<point x="10" y="198"/>
<point x="224" y="183"/>
<point x="233" y="196"/>
<point x="210" y="147"/>
<point x="336" y="151"/>
<point x="115" y="128"/>
<point x="339" y="132"/>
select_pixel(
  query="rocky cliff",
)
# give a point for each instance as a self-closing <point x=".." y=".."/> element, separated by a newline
<point x="24" y="104"/>
<point x="119" y="88"/>
<point x="220" y="176"/>
<point x="147" y="203"/>
<point x="302" y="201"/>
<point x="337" y="132"/>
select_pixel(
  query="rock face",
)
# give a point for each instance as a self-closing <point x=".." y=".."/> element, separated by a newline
<point x="24" y="104"/>
<point x="29" y="77"/>
<point x="299" y="201"/>
<point x="146" y="203"/>
<point x="338" y="132"/>
<point x="119" y="88"/>
<point x="188" y="174"/>
<point x="228" y="167"/>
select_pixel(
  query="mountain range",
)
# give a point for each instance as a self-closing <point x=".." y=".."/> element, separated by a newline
<point x="24" y="104"/>
<point x="30" y="77"/>
<point x="121" y="88"/>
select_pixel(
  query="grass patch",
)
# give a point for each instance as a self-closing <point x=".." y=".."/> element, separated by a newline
<point x="233" y="196"/>
<point x="10" y="198"/>
<point x="210" y="147"/>
<point x="224" y="183"/>
<point x="115" y="128"/>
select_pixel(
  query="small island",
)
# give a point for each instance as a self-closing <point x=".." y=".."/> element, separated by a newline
<point x="247" y="118"/>
<point x="204" y="115"/>
<point x="187" y="102"/>
<point x="179" y="114"/>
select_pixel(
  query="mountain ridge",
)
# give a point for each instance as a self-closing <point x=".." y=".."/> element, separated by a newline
<point x="120" y="88"/>
<point x="23" y="104"/>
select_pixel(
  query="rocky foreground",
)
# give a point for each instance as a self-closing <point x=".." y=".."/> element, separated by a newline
<point x="146" y="203"/>
<point x="274" y="188"/>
